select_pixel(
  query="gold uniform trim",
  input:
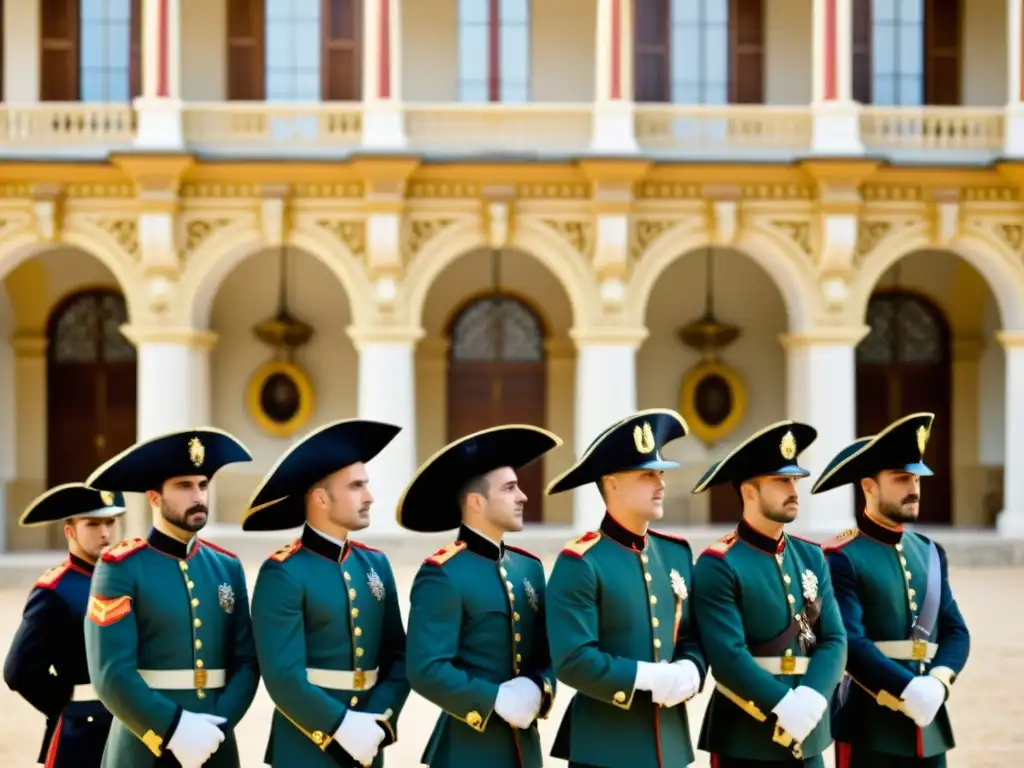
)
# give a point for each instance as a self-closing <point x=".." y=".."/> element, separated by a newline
<point x="446" y="553"/>
<point x="154" y="743"/>
<point x="321" y="739"/>
<point x="946" y="676"/>
<point x="474" y="719"/>
<point x="582" y="544"/>
<point x="622" y="700"/>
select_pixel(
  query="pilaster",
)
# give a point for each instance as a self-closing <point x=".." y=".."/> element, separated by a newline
<point x="613" y="126"/>
<point x="159" y="108"/>
<point x="1010" y="522"/>
<point x="1014" y="146"/>
<point x="383" y="117"/>
<point x="835" y="115"/>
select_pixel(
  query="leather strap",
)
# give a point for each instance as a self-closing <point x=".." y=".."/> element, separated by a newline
<point x="777" y="646"/>
<point x="925" y="622"/>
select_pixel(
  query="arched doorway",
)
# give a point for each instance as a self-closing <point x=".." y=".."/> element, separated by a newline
<point x="91" y="385"/>
<point x="904" y="365"/>
<point x="497" y="374"/>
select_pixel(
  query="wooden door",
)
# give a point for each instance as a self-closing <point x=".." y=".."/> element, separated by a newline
<point x="904" y="366"/>
<point x="497" y="374"/>
<point x="91" y="385"/>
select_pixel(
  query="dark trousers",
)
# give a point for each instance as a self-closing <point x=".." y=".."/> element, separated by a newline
<point x="724" y="761"/>
<point x="850" y="756"/>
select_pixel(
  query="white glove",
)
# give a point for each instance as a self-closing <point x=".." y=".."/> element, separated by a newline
<point x="656" y="678"/>
<point x="922" y="699"/>
<point x="796" y="715"/>
<point x="360" y="735"/>
<point x="518" y="702"/>
<point x="685" y="684"/>
<point x="197" y="737"/>
<point x="815" y="703"/>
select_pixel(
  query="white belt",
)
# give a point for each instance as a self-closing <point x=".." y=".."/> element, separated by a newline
<point x="343" y="679"/>
<point x="783" y="665"/>
<point x="84" y="692"/>
<point x="183" y="679"/>
<point x="907" y="650"/>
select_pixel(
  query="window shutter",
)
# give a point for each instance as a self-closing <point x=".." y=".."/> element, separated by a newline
<point x="652" y="27"/>
<point x="861" y="63"/>
<point x="341" y="71"/>
<point x="135" y="51"/>
<point x="245" y="50"/>
<point x="942" y="52"/>
<point x="746" y="52"/>
<point x="58" y="50"/>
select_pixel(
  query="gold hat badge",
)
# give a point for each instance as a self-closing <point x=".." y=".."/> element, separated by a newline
<point x="107" y="498"/>
<point x="643" y="438"/>
<point x="788" y="446"/>
<point x="923" y="433"/>
<point x="196" y="451"/>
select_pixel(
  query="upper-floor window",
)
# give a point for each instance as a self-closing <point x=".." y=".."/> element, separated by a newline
<point x="494" y="50"/>
<point x="699" y="51"/>
<point x="90" y="50"/>
<point x="906" y="52"/>
<point x="294" y="50"/>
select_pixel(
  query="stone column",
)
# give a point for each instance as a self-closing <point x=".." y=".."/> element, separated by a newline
<point x="836" y="128"/>
<point x="383" y="117"/>
<point x="159" y="107"/>
<point x="387" y="392"/>
<point x="29" y="433"/>
<point x="613" y="129"/>
<point x="1010" y="522"/>
<point x="820" y="391"/>
<point x="968" y="474"/>
<point x="605" y="393"/>
<point x="1014" y="79"/>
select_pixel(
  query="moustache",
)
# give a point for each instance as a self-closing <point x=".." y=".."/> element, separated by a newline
<point x="197" y="509"/>
<point x="911" y="499"/>
<point x="792" y="500"/>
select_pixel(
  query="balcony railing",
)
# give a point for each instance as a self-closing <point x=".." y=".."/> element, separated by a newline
<point x="729" y="133"/>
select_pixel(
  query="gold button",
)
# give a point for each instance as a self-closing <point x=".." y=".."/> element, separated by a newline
<point x="199" y="663"/>
<point x="88" y="719"/>
<point x="348" y="576"/>
<point x="509" y="585"/>
<point x="199" y="644"/>
<point x="197" y="623"/>
<point x="654" y="600"/>
<point x="791" y="598"/>
<point x="355" y="613"/>
<point x="200" y="693"/>
<point x="647" y="576"/>
<point x="899" y="547"/>
<point x="351" y="594"/>
<point x="511" y="597"/>
<point x="519" y="638"/>
<point x="183" y="565"/>
<point x="620" y="697"/>
<point x="903" y="560"/>
<point x="353" y="701"/>
<point x="191" y="584"/>
<point x="786" y="578"/>
<point x="515" y="617"/>
<point x="655" y="622"/>
<point x="503" y="572"/>
<point x="519" y="657"/>
<point x="359" y="651"/>
<point x="907" y="574"/>
<point x="643" y="558"/>
<point x="317" y="737"/>
<point x="913" y="606"/>
<point x="789" y="651"/>
<point x="195" y="602"/>
<point x="911" y="591"/>
<point x="657" y="643"/>
<point x="473" y="719"/>
<point x="358" y="631"/>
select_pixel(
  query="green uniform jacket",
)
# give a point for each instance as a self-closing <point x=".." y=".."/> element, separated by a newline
<point x="614" y="599"/>
<point x="881" y="578"/>
<point x="747" y="590"/>
<point x="476" y="620"/>
<point x="327" y="621"/>
<point x="168" y="630"/>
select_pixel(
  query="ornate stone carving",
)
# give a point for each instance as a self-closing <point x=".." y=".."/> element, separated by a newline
<point x="124" y="231"/>
<point x="218" y="190"/>
<point x="95" y="190"/>
<point x="345" y="189"/>
<point x="1012" y="235"/>
<point x="198" y="230"/>
<point x="991" y="194"/>
<point x="443" y="190"/>
<point x="645" y="232"/>
<point x="576" y="232"/>
<point x="779" y="191"/>
<point x="797" y="231"/>
<point x="869" y="235"/>
<point x="351" y="234"/>
<point x="421" y="231"/>
<point x="907" y="193"/>
<point x="651" y="190"/>
<point x="553" y="191"/>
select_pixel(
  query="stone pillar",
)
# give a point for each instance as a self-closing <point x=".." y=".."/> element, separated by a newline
<point x="387" y="392"/>
<point x="836" y="127"/>
<point x="1010" y="522"/>
<point x="605" y="393"/>
<point x="613" y="129"/>
<point x="968" y="474"/>
<point x="383" y="117"/>
<point x="159" y="107"/>
<point x="820" y="391"/>
<point x="28" y="478"/>
<point x="1014" y="79"/>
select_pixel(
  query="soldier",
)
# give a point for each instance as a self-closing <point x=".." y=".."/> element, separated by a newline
<point x="477" y="643"/>
<point x="618" y="612"/>
<point x="767" y="614"/>
<point x="907" y="639"/>
<point x="325" y="608"/>
<point x="169" y="640"/>
<point x="46" y="660"/>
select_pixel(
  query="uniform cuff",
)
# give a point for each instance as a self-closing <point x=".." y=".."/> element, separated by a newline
<point x="547" y="694"/>
<point x="946" y="676"/>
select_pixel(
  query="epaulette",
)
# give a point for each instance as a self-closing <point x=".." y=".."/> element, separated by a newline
<point x="123" y="549"/>
<point x="805" y="541"/>
<point x="218" y="548"/>
<point x="723" y="545"/>
<point x="521" y="551"/>
<point x="286" y="551"/>
<point x="669" y="537"/>
<point x="360" y="545"/>
<point x="840" y="541"/>
<point x="579" y="546"/>
<point x="52" y="576"/>
<point x="446" y="553"/>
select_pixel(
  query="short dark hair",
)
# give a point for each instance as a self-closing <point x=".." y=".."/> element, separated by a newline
<point x="479" y="484"/>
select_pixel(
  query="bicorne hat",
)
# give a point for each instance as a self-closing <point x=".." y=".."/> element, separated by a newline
<point x="72" y="500"/>
<point x="770" y="451"/>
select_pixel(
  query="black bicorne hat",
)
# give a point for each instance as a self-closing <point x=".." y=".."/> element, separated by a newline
<point x="72" y="500"/>
<point x="770" y="451"/>
<point x="279" y="501"/>
<point x="633" y="443"/>
<point x="900" y="446"/>
<point x="146" y="466"/>
<point x="430" y="502"/>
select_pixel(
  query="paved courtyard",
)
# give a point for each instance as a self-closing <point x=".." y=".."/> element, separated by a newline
<point x="987" y="708"/>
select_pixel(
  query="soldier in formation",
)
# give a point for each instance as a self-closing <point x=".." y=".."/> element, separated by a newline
<point x="767" y="614"/>
<point x="478" y="648"/>
<point x="46" y="661"/>
<point x="168" y="637"/>
<point x="325" y="610"/>
<point x="620" y="621"/>
<point x="907" y="640"/>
